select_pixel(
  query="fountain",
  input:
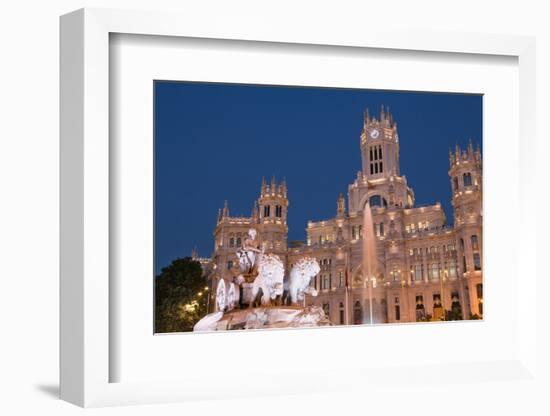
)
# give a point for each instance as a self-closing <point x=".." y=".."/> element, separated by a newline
<point x="272" y="301"/>
<point x="369" y="255"/>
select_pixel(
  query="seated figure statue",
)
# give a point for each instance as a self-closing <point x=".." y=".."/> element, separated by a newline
<point x="248" y="256"/>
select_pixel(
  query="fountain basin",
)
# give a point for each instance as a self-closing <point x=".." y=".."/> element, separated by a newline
<point x="264" y="318"/>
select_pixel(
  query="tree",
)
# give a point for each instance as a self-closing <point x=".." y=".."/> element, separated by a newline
<point x="180" y="296"/>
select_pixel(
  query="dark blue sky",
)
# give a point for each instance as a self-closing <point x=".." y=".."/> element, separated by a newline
<point x="216" y="141"/>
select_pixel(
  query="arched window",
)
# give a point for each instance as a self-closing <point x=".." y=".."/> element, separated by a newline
<point x="378" y="201"/>
<point x="455" y="184"/>
<point x="341" y="309"/>
<point x="467" y="179"/>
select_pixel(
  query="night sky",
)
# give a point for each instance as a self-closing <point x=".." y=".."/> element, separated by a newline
<point x="215" y="142"/>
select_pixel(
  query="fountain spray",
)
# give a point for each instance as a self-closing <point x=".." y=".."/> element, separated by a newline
<point x="369" y="254"/>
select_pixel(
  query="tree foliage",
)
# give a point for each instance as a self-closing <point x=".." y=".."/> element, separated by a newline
<point x="180" y="296"/>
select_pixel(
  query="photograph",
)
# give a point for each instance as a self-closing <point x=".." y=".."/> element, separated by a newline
<point x="310" y="207"/>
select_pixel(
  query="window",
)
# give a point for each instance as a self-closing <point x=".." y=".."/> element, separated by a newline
<point x="353" y="233"/>
<point x="463" y="264"/>
<point x="395" y="275"/>
<point x="326" y="282"/>
<point x="477" y="261"/>
<point x="238" y="242"/>
<point x="231" y="242"/>
<point x="357" y="313"/>
<point x="340" y="279"/>
<point x="435" y="271"/>
<point x="382" y="229"/>
<point x="326" y="309"/>
<point x="266" y="211"/>
<point x="455" y="184"/>
<point x="418" y="272"/>
<point x="397" y="313"/>
<point x="420" y="311"/>
<point x="474" y="242"/>
<point x="229" y="265"/>
<point x="341" y="308"/>
<point x="467" y="179"/>
<point x="479" y="290"/>
<point x="452" y="269"/>
<point x="278" y="211"/>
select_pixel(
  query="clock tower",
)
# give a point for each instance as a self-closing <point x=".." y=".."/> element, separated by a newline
<point x="380" y="146"/>
<point x="379" y="181"/>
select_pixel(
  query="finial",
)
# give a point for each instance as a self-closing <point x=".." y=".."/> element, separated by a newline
<point x="225" y="209"/>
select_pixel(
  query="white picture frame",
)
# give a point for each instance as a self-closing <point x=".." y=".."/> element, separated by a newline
<point x="86" y="355"/>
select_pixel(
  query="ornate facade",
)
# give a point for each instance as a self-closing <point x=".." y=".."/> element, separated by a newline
<point x="425" y="267"/>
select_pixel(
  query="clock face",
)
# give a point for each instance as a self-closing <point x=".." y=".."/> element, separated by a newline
<point x="374" y="133"/>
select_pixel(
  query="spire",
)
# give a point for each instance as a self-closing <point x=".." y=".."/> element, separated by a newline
<point x="225" y="209"/>
<point x="470" y="148"/>
<point x="382" y="114"/>
<point x="263" y="189"/>
<point x="341" y="206"/>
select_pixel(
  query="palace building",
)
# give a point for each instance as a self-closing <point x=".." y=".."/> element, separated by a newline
<point x="426" y="269"/>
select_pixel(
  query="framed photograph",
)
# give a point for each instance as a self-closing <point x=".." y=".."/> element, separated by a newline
<point x="379" y="257"/>
<point x="301" y="209"/>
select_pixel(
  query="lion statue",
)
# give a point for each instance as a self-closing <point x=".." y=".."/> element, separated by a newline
<point x="300" y="277"/>
<point x="271" y="272"/>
